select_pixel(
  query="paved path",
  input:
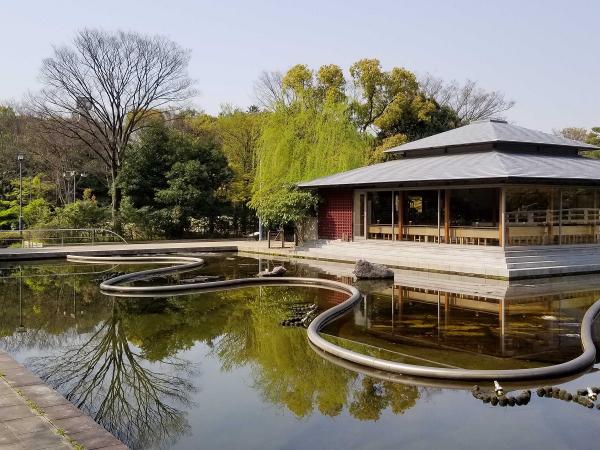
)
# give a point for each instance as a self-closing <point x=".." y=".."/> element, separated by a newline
<point x="192" y="246"/>
<point x="34" y="416"/>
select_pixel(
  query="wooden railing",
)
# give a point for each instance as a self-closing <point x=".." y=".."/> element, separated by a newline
<point x="553" y="226"/>
<point x="572" y="216"/>
<point x="428" y="233"/>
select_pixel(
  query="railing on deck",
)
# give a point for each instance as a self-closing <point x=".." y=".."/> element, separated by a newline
<point x="553" y="226"/>
<point x="58" y="237"/>
<point x="572" y="216"/>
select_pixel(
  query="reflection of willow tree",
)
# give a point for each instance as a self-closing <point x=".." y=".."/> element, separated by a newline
<point x="106" y="377"/>
<point x="288" y="372"/>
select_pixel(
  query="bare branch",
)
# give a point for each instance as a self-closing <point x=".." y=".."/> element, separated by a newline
<point x="468" y="100"/>
<point x="269" y="90"/>
<point x="99" y="90"/>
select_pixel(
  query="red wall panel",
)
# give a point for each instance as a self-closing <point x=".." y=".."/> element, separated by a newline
<point x="335" y="214"/>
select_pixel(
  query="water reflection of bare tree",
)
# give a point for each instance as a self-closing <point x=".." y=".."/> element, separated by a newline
<point x="108" y="378"/>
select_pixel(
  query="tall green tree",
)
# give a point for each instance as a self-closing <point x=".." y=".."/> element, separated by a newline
<point x="392" y="105"/>
<point x="312" y="136"/>
<point x="239" y="133"/>
<point x="171" y="178"/>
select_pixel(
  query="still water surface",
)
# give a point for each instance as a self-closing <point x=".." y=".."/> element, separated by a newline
<point x="219" y="371"/>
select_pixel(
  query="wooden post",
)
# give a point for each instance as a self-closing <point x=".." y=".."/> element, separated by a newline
<point x="393" y="213"/>
<point x="447" y="216"/>
<point x="560" y="213"/>
<point x="439" y="216"/>
<point x="502" y="221"/>
<point x="400" y="213"/>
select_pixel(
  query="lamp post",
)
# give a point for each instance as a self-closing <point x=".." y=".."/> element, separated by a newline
<point x="73" y="175"/>
<point x="20" y="158"/>
<point x="81" y="175"/>
<point x="66" y="176"/>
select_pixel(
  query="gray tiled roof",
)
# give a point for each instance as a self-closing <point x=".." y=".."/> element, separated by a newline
<point x="489" y="131"/>
<point x="473" y="166"/>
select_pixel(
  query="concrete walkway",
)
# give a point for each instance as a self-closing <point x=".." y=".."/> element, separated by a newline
<point x="34" y="416"/>
<point x="470" y="260"/>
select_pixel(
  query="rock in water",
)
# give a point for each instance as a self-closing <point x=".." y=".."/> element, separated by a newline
<point x="364" y="270"/>
<point x="278" y="271"/>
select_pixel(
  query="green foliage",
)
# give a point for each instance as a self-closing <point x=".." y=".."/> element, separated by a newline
<point x="84" y="213"/>
<point x="37" y="211"/>
<point x="286" y="205"/>
<point x="392" y="103"/>
<point x="591" y="137"/>
<point x="238" y="133"/>
<point x="169" y="178"/>
<point x="301" y="142"/>
<point x="34" y="195"/>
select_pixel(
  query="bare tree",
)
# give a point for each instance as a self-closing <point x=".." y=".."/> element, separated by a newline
<point x="574" y="133"/>
<point x="99" y="91"/>
<point x="269" y="90"/>
<point x="468" y="100"/>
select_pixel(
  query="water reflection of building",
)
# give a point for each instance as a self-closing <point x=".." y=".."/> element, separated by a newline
<point x="470" y="322"/>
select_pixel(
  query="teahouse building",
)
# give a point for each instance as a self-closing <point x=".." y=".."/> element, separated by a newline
<point x="489" y="183"/>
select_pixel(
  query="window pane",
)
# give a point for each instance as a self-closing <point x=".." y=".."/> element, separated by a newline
<point x="475" y="207"/>
<point x="381" y="208"/>
<point x="420" y="207"/>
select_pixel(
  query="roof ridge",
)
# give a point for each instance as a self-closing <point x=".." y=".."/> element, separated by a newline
<point x="490" y="131"/>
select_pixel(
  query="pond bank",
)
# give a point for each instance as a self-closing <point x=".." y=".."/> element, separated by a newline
<point x="33" y="415"/>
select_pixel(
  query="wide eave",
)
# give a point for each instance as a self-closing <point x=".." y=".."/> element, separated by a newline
<point x="469" y="168"/>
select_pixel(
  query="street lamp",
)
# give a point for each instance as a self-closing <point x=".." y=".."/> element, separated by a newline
<point x="69" y="174"/>
<point x="81" y="175"/>
<point x="20" y="158"/>
<point x="73" y="174"/>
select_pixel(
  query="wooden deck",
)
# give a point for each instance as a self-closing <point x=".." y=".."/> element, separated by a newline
<point x="471" y="260"/>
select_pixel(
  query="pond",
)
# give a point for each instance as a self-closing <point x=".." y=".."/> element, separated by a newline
<point x="218" y="370"/>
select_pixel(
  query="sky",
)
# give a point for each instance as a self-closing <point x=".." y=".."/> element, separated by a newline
<point x="544" y="55"/>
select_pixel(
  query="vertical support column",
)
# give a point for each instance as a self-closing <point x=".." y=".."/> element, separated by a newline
<point x="502" y="231"/>
<point x="400" y="213"/>
<point x="560" y="214"/>
<point x="393" y="214"/>
<point x="367" y="218"/>
<point x="439" y="216"/>
<point x="550" y="217"/>
<point x="447" y="216"/>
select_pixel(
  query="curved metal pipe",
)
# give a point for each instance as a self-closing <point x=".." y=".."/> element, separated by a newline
<point x="114" y="286"/>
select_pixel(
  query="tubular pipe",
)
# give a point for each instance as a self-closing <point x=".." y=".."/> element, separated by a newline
<point x="114" y="287"/>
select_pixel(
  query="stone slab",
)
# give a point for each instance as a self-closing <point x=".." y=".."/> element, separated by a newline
<point x="24" y="428"/>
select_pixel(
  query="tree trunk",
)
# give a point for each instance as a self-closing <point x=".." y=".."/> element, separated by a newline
<point x="116" y="200"/>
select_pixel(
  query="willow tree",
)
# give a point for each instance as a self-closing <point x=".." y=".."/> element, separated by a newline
<point x="99" y="91"/>
<point x="310" y="137"/>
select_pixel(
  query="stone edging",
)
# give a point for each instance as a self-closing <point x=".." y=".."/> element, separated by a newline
<point x="78" y="429"/>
